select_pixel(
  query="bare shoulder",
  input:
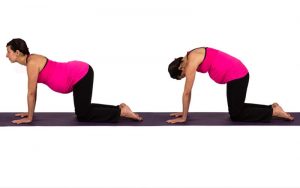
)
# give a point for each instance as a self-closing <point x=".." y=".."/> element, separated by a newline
<point x="196" y="56"/>
<point x="36" y="60"/>
<point x="197" y="53"/>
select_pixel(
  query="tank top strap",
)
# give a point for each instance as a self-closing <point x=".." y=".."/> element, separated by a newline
<point x="188" y="53"/>
<point x="27" y="58"/>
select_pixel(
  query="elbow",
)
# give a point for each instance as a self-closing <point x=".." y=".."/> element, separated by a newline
<point x="31" y="94"/>
<point x="187" y="93"/>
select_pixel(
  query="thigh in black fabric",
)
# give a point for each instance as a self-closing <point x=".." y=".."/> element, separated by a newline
<point x="82" y="93"/>
<point x="88" y="112"/>
<point x="236" y="95"/>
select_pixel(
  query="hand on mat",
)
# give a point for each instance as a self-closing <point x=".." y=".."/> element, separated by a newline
<point x="22" y="115"/>
<point x="23" y="120"/>
<point x="176" y="114"/>
<point x="176" y="120"/>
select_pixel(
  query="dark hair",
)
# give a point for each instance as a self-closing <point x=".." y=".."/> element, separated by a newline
<point x="173" y="69"/>
<point x="18" y="44"/>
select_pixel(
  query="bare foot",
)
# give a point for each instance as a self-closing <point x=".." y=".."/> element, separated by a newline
<point x="279" y="112"/>
<point x="122" y="105"/>
<point x="275" y="104"/>
<point x="127" y="113"/>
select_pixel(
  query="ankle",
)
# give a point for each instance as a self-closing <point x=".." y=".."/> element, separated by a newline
<point x="123" y="113"/>
<point x="275" y="111"/>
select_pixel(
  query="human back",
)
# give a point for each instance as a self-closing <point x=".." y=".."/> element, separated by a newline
<point x="38" y="60"/>
<point x="221" y="66"/>
<point x="62" y="76"/>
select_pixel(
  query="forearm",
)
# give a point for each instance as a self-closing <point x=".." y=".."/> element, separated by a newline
<point x="31" y="99"/>
<point x="186" y="99"/>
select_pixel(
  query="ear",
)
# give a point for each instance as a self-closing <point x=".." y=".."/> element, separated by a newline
<point x="18" y="52"/>
<point x="182" y="65"/>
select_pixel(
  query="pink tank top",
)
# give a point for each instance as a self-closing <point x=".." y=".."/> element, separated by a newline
<point x="61" y="77"/>
<point x="221" y="66"/>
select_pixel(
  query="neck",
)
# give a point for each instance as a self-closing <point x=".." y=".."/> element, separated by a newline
<point x="184" y="63"/>
<point x="22" y="59"/>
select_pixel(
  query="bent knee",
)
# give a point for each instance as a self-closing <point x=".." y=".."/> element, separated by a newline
<point x="82" y="118"/>
<point x="235" y="117"/>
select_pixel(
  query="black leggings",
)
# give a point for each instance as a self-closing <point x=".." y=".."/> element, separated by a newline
<point x="90" y="112"/>
<point x="241" y="111"/>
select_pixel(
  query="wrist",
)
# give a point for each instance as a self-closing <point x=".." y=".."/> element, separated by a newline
<point x="30" y="118"/>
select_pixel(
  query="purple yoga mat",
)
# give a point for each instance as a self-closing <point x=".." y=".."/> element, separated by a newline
<point x="150" y="119"/>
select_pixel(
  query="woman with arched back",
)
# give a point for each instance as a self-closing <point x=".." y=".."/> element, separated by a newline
<point x="63" y="77"/>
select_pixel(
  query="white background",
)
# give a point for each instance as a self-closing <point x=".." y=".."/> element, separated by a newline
<point x="130" y="44"/>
